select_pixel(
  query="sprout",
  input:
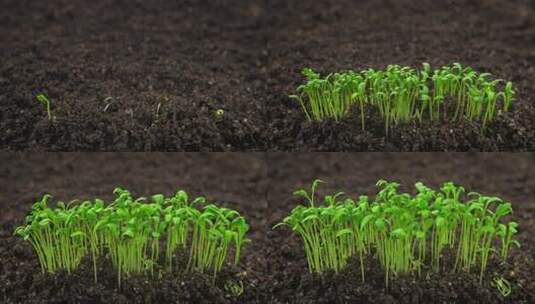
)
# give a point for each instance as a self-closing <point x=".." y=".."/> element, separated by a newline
<point x="41" y="97"/>
<point x="56" y="236"/>
<point x="234" y="288"/>
<point x="405" y="232"/>
<point x="503" y="286"/>
<point x="402" y="94"/>
<point x="130" y="231"/>
<point x="219" y="113"/>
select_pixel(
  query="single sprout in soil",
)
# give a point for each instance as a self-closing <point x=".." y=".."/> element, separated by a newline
<point x="218" y="114"/>
<point x="234" y="288"/>
<point x="42" y="98"/>
<point x="135" y="234"/>
<point x="503" y="286"/>
<point x="406" y="233"/>
<point x="403" y="94"/>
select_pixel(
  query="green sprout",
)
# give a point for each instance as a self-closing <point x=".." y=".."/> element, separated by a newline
<point x="135" y="233"/>
<point x="402" y="94"/>
<point x="404" y="232"/>
<point x="56" y="236"/>
<point x="503" y="286"/>
<point x="218" y="114"/>
<point x="234" y="288"/>
<point x="41" y="97"/>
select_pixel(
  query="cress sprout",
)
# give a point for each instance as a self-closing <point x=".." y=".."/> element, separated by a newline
<point x="134" y="233"/>
<point x="403" y="94"/>
<point x="42" y="98"/>
<point x="405" y="232"/>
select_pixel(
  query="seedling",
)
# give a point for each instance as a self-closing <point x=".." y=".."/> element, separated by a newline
<point x="404" y="232"/>
<point x="56" y="236"/>
<point x="234" y="288"/>
<point x="402" y="94"/>
<point x="503" y="286"/>
<point x="130" y="232"/>
<point x="41" y="97"/>
<point x="218" y="114"/>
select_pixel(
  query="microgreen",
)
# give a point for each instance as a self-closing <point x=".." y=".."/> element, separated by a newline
<point x="402" y="94"/>
<point x="503" y="286"/>
<point x="56" y="236"/>
<point x="131" y="233"/>
<point x="234" y="288"/>
<point x="405" y="232"/>
<point x="42" y="98"/>
<point x="219" y="113"/>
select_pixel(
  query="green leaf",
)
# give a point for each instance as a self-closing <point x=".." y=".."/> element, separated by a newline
<point x="513" y="226"/>
<point x="129" y="233"/>
<point x="44" y="222"/>
<point x="399" y="232"/>
<point x="310" y="218"/>
<point x="366" y="220"/>
<point x="380" y="224"/>
<point x="158" y="198"/>
<point x="504" y="209"/>
<point x="229" y="235"/>
<point x="502" y="230"/>
<point x="77" y="234"/>
<point x="198" y="201"/>
<point x="440" y="221"/>
<point x="344" y="232"/>
<point x="487" y="229"/>
<point x="420" y="234"/>
<point x="279" y="225"/>
<point x="302" y="193"/>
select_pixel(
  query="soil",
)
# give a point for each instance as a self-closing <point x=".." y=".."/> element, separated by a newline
<point x="273" y="269"/>
<point x="148" y="75"/>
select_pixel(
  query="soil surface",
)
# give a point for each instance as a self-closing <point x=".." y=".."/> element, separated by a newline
<point x="273" y="269"/>
<point x="149" y="75"/>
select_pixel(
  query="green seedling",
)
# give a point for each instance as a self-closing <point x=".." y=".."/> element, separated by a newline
<point x="218" y="114"/>
<point x="41" y="97"/>
<point x="234" y="288"/>
<point x="136" y="234"/>
<point x="402" y="94"/>
<point x="503" y="286"/>
<point x="56" y="236"/>
<point x="405" y="232"/>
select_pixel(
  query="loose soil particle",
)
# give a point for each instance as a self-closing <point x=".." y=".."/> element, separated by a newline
<point x="148" y="75"/>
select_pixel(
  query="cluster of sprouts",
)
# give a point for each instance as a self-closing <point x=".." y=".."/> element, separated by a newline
<point x="136" y="234"/>
<point x="404" y="232"/>
<point x="403" y="94"/>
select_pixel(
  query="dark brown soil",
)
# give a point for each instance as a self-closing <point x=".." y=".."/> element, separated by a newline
<point x="274" y="268"/>
<point x="148" y="75"/>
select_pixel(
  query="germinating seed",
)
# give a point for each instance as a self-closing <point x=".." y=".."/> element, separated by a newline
<point x="46" y="102"/>
<point x="403" y="231"/>
<point x="402" y="94"/>
<point x="130" y="232"/>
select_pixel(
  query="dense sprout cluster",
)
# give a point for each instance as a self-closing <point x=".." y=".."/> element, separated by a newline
<point x="402" y="94"/>
<point x="403" y="231"/>
<point x="134" y="233"/>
